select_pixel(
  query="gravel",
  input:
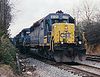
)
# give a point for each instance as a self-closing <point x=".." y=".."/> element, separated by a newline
<point x="46" y="70"/>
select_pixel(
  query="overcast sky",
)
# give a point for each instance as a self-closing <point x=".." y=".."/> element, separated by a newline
<point x="26" y="12"/>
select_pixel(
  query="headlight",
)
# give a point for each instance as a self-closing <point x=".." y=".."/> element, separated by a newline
<point x="80" y="42"/>
<point x="62" y="42"/>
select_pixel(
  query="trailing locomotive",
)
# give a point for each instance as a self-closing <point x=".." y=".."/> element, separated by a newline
<point x="55" y="37"/>
<point x="22" y="40"/>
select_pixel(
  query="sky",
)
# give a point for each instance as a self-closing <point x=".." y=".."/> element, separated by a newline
<point x="26" y="12"/>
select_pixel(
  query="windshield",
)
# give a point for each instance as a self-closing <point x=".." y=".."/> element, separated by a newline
<point x="59" y="21"/>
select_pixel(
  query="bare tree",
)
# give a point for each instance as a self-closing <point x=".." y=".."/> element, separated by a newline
<point x="5" y="16"/>
<point x="88" y="20"/>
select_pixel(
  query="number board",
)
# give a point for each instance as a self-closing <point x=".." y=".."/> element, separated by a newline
<point x="54" y="16"/>
<point x="65" y="17"/>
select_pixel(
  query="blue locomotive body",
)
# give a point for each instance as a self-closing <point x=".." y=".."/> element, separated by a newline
<point x="22" y="40"/>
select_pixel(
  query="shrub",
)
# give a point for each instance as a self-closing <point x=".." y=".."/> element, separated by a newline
<point x="7" y="52"/>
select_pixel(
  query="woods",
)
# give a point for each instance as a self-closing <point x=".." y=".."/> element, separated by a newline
<point x="88" y="20"/>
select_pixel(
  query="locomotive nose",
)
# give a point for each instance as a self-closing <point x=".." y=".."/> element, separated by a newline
<point x="63" y="33"/>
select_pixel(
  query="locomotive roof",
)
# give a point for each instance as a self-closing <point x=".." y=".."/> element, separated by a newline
<point x="24" y="30"/>
<point x="60" y="13"/>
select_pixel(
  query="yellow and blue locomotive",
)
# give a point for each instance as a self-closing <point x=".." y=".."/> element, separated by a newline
<point x="55" y="37"/>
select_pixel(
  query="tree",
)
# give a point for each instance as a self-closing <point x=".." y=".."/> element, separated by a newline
<point x="89" y="21"/>
<point x="5" y="16"/>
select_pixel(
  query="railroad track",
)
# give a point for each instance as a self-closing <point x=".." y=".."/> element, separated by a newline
<point x="76" y="68"/>
<point x="93" y="58"/>
<point x="79" y="69"/>
<point x="89" y="69"/>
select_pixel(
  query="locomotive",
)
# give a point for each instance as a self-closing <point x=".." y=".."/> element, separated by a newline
<point x="22" y="40"/>
<point x="55" y="37"/>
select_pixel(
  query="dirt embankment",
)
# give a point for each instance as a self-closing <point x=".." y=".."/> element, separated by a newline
<point x="93" y="49"/>
<point x="96" y="50"/>
<point x="6" y="71"/>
